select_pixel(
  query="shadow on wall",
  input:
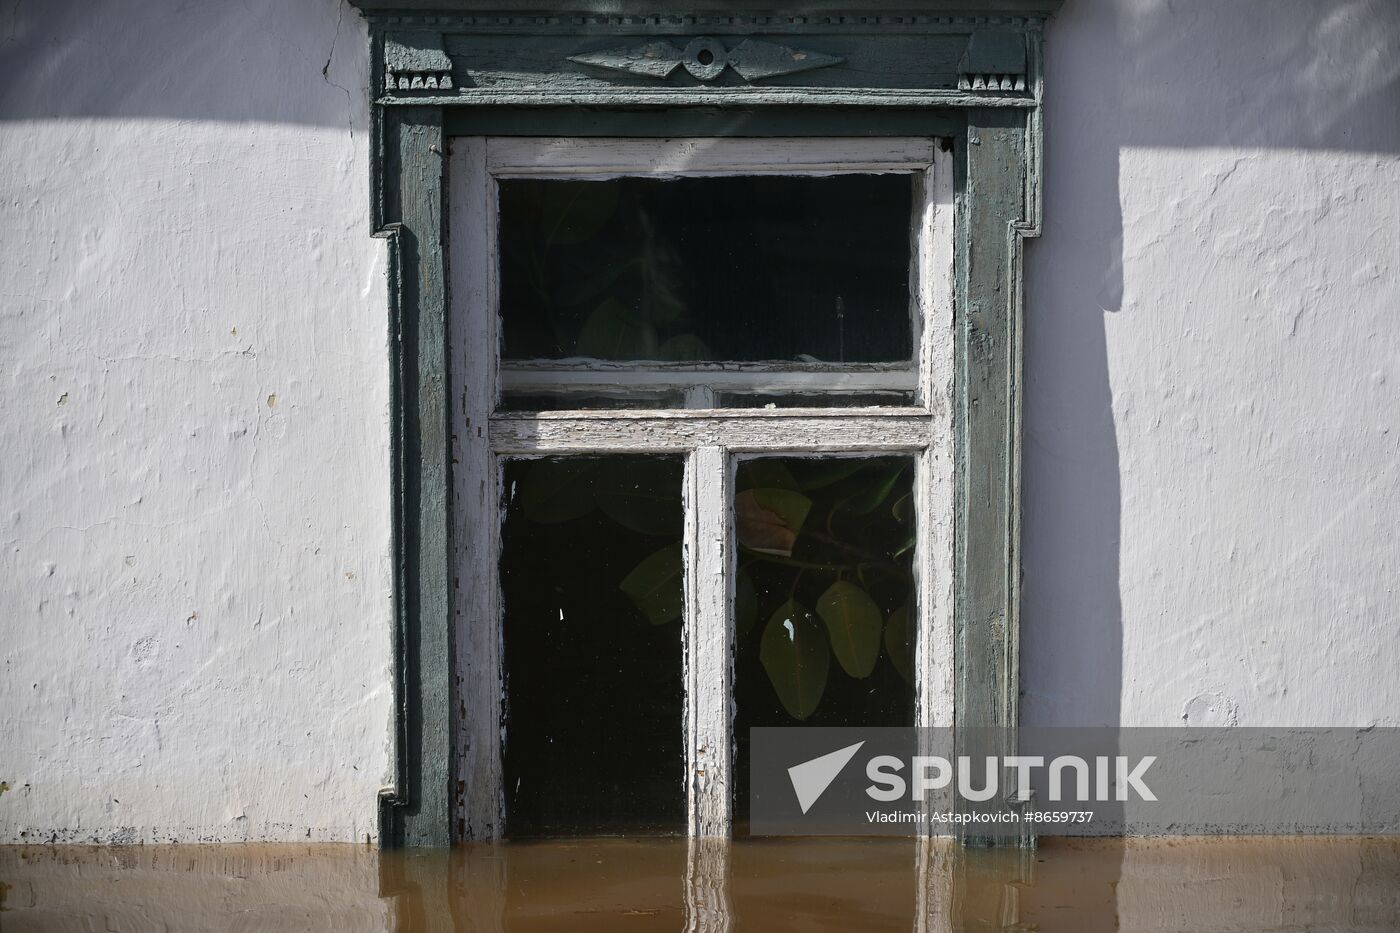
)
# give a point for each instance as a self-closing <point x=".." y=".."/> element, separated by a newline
<point x="1293" y="74"/>
<point x="264" y="61"/>
<point x="1148" y="73"/>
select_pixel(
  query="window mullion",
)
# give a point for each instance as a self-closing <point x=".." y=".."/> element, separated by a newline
<point x="708" y="641"/>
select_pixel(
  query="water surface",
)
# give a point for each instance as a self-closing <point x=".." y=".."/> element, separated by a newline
<point x="1219" y="885"/>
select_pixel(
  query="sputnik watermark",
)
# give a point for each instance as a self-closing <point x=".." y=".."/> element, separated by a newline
<point x="931" y="772"/>
<point x="811" y="778"/>
<point x="993" y="783"/>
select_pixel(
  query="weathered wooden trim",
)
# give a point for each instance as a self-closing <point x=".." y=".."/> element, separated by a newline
<point x="736" y="122"/>
<point x="393" y="798"/>
<point x="993" y="220"/>
<point x="476" y="615"/>
<point x="758" y="9"/>
<point x="935" y="487"/>
<point x="711" y="97"/>
<point x="602" y="57"/>
<point x="996" y="163"/>
<point x="873" y="429"/>
<point x="709" y="643"/>
<point x="420" y="814"/>
<point x="590" y="157"/>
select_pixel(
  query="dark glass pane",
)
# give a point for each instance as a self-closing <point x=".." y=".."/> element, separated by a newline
<point x="591" y="589"/>
<point x="729" y="268"/>
<point x="824" y="596"/>
<point x="815" y="400"/>
<point x="515" y="401"/>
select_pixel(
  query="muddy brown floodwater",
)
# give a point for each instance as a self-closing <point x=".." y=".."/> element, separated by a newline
<point x="1218" y="885"/>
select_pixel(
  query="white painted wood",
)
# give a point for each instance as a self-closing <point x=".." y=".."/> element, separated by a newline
<point x="795" y="430"/>
<point x="708" y="640"/>
<point x="602" y="157"/>
<point x="476" y="499"/>
<point x="709" y="438"/>
<point x="700" y="397"/>
<point x="934" y="675"/>
<point x="680" y="416"/>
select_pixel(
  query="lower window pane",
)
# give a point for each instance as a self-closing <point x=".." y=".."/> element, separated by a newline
<point x="591" y="589"/>
<point x="824" y="597"/>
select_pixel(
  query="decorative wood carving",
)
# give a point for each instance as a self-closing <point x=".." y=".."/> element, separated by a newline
<point x="995" y="60"/>
<point x="755" y="59"/>
<point x="416" y="62"/>
<point x="705" y="59"/>
<point x="654" y="59"/>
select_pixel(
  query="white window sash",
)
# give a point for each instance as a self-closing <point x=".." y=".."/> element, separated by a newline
<point x="710" y="440"/>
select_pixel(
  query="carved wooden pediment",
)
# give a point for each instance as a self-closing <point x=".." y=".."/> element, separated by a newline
<point x="847" y="57"/>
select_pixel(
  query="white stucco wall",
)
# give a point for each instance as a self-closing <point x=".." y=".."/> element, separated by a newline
<point x="194" y="587"/>
<point x="1213" y="368"/>
<point x="194" y="540"/>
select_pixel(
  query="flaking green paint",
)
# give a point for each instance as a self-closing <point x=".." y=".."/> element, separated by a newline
<point x="900" y="73"/>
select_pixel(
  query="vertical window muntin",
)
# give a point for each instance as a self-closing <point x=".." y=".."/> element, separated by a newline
<point x="711" y="440"/>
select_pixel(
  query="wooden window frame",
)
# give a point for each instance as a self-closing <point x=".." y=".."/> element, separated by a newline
<point x="442" y="68"/>
<point x="711" y="440"/>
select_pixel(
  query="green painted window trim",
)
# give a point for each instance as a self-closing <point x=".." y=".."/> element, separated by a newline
<point x="970" y="72"/>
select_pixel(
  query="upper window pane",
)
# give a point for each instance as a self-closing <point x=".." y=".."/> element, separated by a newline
<point x="730" y="268"/>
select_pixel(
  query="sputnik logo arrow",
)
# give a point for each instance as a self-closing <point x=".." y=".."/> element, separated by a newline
<point x="811" y="778"/>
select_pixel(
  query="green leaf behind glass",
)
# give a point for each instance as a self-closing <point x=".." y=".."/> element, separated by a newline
<point x="854" y="622"/>
<point x="613" y="332"/>
<point x="877" y="491"/>
<point x="640" y="495"/>
<point x="903" y="509"/>
<point x="655" y="586"/>
<point x="745" y="604"/>
<point x="827" y="472"/>
<point x="796" y="657"/>
<point x="766" y="473"/>
<point x="899" y="644"/>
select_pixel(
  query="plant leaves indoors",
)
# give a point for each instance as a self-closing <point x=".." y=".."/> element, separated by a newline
<point x="854" y="623"/>
<point x="640" y="495"/>
<point x="796" y="657"/>
<point x="768" y="520"/>
<point x="655" y="586"/>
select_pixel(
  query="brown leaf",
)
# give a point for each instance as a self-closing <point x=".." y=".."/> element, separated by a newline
<point x="768" y="520"/>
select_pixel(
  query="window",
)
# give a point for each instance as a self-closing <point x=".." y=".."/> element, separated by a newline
<point x="702" y="464"/>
